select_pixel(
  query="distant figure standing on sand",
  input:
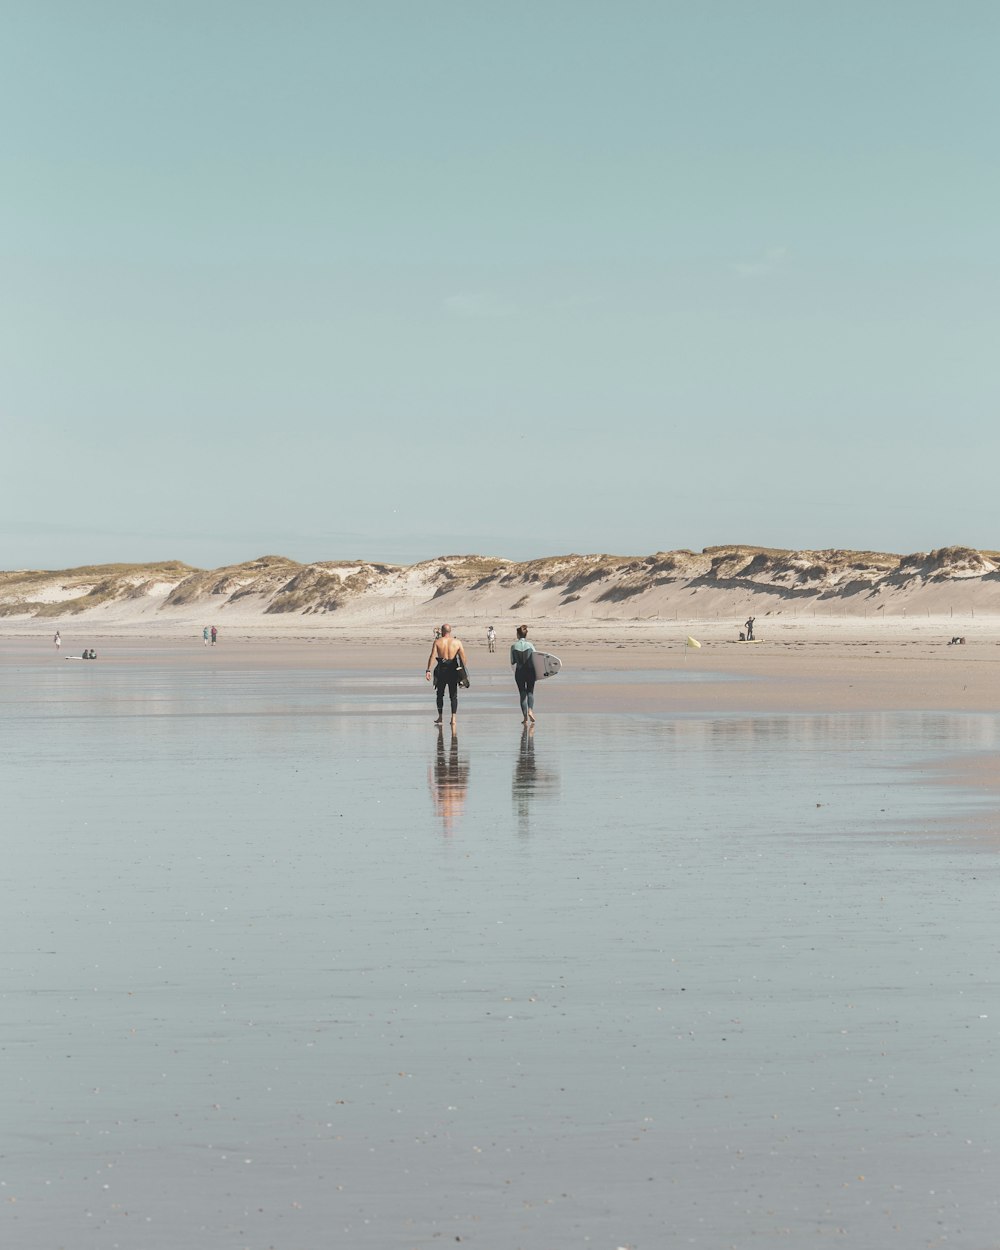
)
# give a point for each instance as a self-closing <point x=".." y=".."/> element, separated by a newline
<point x="449" y="654"/>
<point x="215" y="634"/>
<point x="749" y="628"/>
<point x="204" y="635"/>
<point x="57" y="640"/>
<point x="491" y="637"/>
<point x="524" y="673"/>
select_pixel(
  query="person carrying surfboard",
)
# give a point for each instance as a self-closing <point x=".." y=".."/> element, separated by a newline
<point x="521" y="652"/>
<point x="449" y="655"/>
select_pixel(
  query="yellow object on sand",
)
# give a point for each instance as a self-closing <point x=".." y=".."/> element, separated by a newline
<point x="693" y="642"/>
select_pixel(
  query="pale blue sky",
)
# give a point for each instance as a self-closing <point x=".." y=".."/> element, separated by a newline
<point x="398" y="279"/>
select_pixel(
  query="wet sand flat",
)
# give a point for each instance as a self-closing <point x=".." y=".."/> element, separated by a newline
<point x="804" y="673"/>
<point x="707" y="959"/>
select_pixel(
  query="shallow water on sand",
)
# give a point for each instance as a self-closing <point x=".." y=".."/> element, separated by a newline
<point x="287" y="967"/>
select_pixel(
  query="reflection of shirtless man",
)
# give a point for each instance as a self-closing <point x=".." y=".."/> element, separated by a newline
<point x="449" y="781"/>
<point x="447" y="651"/>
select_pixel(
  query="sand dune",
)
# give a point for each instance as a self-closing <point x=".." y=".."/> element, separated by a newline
<point x="719" y="585"/>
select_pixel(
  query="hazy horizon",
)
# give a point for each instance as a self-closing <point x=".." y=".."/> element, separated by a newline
<point x="348" y="557"/>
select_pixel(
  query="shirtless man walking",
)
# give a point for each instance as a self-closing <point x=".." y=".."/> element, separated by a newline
<point x="447" y="652"/>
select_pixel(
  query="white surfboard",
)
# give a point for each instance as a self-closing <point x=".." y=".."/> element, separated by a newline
<point x="545" y="665"/>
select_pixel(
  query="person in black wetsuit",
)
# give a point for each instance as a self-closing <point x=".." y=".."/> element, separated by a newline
<point x="448" y="654"/>
<point x="524" y="674"/>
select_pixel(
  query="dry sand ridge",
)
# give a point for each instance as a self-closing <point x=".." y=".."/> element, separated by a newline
<point x="720" y="586"/>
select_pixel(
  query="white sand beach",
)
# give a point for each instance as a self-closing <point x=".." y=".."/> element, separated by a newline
<point x="697" y="960"/>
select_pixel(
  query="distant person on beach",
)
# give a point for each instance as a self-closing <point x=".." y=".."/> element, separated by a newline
<point x="204" y="635"/>
<point x="749" y="628"/>
<point x="521" y="652"/>
<point x="57" y="640"/>
<point x="215" y="634"/>
<point x="447" y="655"/>
<point x="491" y="637"/>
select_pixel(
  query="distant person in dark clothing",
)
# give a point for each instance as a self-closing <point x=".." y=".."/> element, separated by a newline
<point x="749" y="628"/>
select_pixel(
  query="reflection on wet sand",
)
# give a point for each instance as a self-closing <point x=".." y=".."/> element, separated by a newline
<point x="731" y="889"/>
<point x="530" y="781"/>
<point x="448" y="777"/>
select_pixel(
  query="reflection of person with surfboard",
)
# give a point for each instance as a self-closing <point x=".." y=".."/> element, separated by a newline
<point x="450" y="656"/>
<point x="521" y="656"/>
